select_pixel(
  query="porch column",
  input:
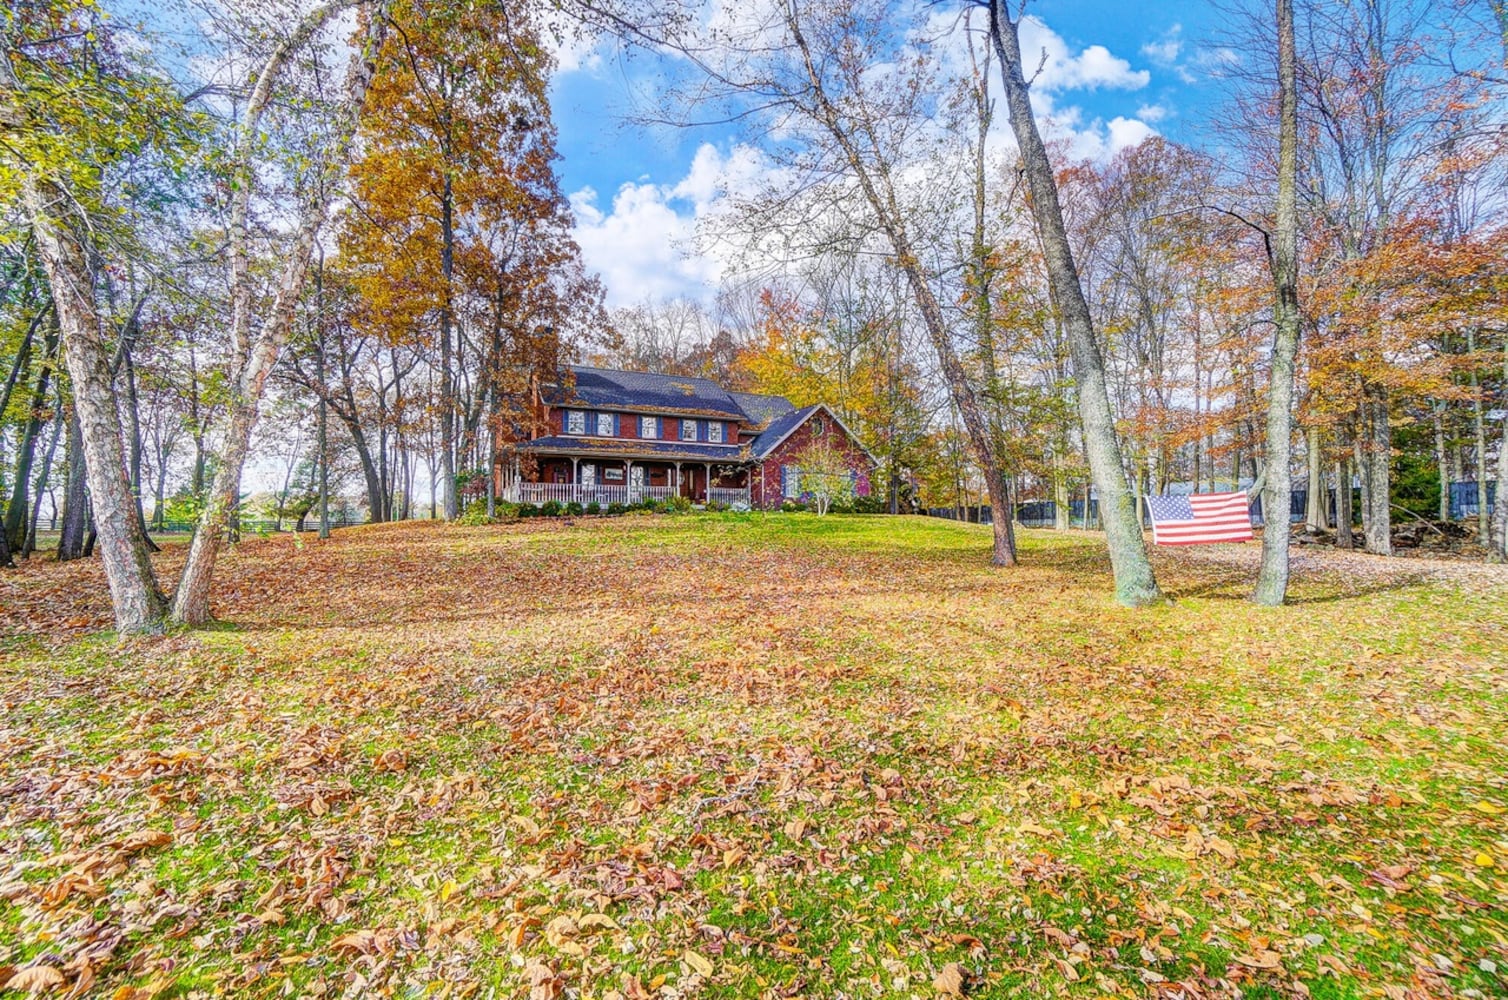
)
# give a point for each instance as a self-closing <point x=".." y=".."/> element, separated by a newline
<point x="677" y="479"/>
<point x="575" y="477"/>
<point x="708" y="495"/>
<point x="628" y="479"/>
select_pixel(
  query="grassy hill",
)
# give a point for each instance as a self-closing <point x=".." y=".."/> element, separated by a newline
<point x="755" y="756"/>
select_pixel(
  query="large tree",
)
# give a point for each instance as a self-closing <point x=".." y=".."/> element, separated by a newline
<point x="1272" y="579"/>
<point x="1134" y="581"/>
<point x="73" y="109"/>
<point x="255" y="346"/>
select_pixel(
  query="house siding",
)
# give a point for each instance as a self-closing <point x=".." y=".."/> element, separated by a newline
<point x="765" y="481"/>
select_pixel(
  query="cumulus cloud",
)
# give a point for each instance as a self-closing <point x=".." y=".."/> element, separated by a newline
<point x="642" y="244"/>
<point x="1166" y="50"/>
<point x="1152" y="113"/>
<point x="1061" y="69"/>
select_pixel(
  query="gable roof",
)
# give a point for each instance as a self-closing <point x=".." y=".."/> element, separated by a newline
<point x="785" y="425"/>
<point x="761" y="408"/>
<point x="612" y="389"/>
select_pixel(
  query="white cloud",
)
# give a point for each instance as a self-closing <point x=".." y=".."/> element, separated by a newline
<point x="1152" y="113"/>
<point x="1060" y="69"/>
<point x="1165" y="51"/>
<point x="1217" y="60"/>
<point x="642" y="245"/>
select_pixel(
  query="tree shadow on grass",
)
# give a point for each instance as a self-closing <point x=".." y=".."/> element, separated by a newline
<point x="1334" y="589"/>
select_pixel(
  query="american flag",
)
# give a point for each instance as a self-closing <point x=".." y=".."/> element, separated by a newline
<point x="1200" y="518"/>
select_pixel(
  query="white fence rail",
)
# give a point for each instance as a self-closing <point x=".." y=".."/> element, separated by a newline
<point x="582" y="493"/>
<point x="726" y="496"/>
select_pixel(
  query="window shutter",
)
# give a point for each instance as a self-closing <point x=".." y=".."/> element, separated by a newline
<point x="784" y="472"/>
<point x="616" y="431"/>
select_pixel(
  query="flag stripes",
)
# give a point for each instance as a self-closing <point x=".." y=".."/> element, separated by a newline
<point x="1200" y="519"/>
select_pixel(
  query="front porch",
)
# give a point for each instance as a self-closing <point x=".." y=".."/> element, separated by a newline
<point x="573" y="479"/>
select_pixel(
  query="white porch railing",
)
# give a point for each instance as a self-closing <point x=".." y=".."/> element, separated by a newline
<point x="584" y="493"/>
<point x="731" y="497"/>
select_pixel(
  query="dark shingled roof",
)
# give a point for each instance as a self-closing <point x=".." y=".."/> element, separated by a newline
<point x="668" y="451"/>
<point x="778" y="429"/>
<point x="761" y="409"/>
<point x="602" y="387"/>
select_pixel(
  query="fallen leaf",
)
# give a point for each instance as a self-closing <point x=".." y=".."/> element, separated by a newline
<point x="949" y="981"/>
<point x="35" y="979"/>
<point x="1263" y="959"/>
<point x="699" y="964"/>
<point x="142" y="839"/>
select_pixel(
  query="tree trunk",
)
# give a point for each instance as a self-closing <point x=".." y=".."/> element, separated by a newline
<point x="1134" y="582"/>
<point x="30" y="545"/>
<point x="75" y="521"/>
<point x="252" y="360"/>
<point x="447" y="389"/>
<point x="1479" y="429"/>
<point x="322" y="425"/>
<point x="138" y="604"/>
<point x="1272" y="578"/>
<point x="16" y="521"/>
<point x="1344" y="538"/>
<point x="1376" y="472"/>
<point x="1318" y="514"/>
<point x="1500" y="510"/>
<point x="1442" y="458"/>
<point x="1060" y="500"/>
<point x="874" y="182"/>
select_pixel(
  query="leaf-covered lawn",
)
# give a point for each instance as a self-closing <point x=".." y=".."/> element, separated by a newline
<point x="748" y="756"/>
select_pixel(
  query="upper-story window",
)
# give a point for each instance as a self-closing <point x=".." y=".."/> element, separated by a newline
<point x="604" y="425"/>
<point x="715" y="431"/>
<point x="575" y="422"/>
<point x="649" y="427"/>
<point x="688" y="430"/>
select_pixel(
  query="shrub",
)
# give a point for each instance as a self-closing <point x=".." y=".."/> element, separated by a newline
<point x="715" y="506"/>
<point x="870" y="505"/>
<point x="615" y="508"/>
<point x="574" y="509"/>
<point x="505" y="511"/>
<point x="475" y="514"/>
<point x="678" y="504"/>
<point x="551" y="508"/>
<point x="528" y="510"/>
<point x="792" y="506"/>
<point x="594" y="508"/>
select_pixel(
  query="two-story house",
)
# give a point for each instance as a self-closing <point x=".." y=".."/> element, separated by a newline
<point x="618" y="436"/>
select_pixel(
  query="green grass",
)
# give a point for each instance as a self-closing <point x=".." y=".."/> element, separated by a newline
<point x="823" y="757"/>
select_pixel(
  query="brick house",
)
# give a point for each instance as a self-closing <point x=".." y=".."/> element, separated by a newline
<point x="608" y="436"/>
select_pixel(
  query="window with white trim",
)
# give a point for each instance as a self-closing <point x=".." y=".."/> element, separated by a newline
<point x="649" y="427"/>
<point x="688" y="430"/>
<point x="575" y="422"/>
<point x="715" y="431"/>
<point x="604" y="425"/>
<point x="791" y="476"/>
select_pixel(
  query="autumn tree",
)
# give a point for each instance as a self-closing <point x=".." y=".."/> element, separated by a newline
<point x="458" y="241"/>
<point x="824" y="474"/>
<point x="74" y="110"/>
<point x="254" y="347"/>
<point x="1134" y="582"/>
<point x="851" y="136"/>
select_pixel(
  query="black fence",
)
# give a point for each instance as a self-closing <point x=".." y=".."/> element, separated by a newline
<point x="259" y="526"/>
<point x="1044" y="513"/>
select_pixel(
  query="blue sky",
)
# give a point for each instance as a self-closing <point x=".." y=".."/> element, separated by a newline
<point x="1119" y="72"/>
